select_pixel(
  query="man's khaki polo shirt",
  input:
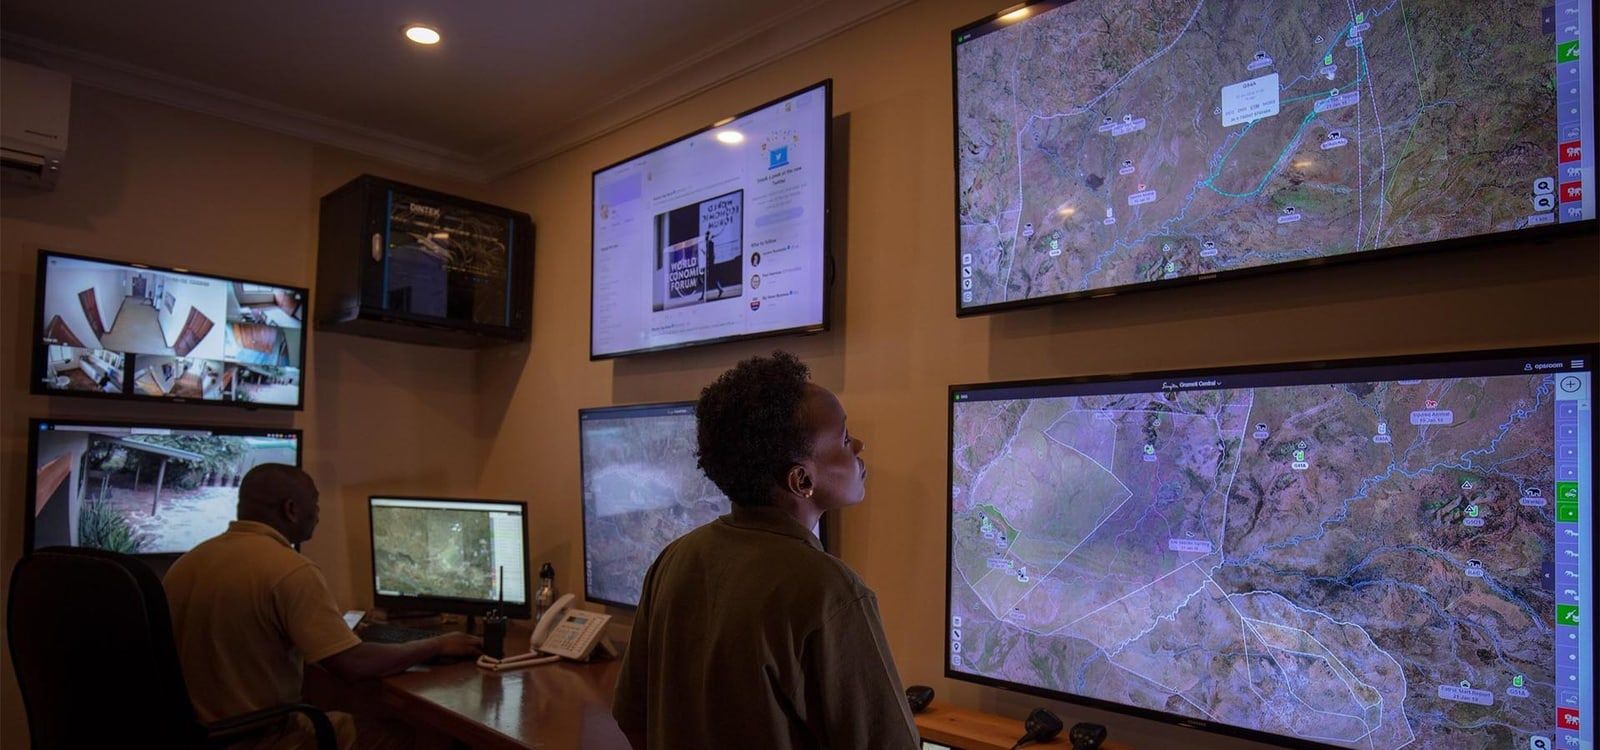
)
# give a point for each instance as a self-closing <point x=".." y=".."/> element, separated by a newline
<point x="248" y="611"/>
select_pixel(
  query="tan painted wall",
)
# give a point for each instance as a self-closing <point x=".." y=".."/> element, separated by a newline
<point x="898" y="344"/>
<point x="151" y="183"/>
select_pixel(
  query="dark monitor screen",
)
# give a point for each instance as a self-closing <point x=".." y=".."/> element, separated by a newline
<point x="642" y="488"/>
<point x="719" y="235"/>
<point x="1367" y="554"/>
<point x="448" y="555"/>
<point x="141" y="488"/>
<point x="1108" y="145"/>
<point x="126" y="330"/>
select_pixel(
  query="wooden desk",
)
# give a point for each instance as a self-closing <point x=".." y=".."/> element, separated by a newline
<point x="561" y="705"/>
<point x="973" y="730"/>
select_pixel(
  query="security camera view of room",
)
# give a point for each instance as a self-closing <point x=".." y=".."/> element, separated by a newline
<point x="112" y="328"/>
<point x="141" y="490"/>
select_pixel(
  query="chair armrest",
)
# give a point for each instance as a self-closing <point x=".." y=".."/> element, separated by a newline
<point x="221" y="732"/>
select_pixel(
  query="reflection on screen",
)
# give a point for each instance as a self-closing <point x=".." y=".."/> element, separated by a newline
<point x="716" y="236"/>
<point x="120" y="329"/>
<point x="642" y="488"/>
<point x="1108" y="143"/>
<point x="1376" y="557"/>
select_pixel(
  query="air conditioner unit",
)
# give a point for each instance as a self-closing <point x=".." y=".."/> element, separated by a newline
<point x="34" y="107"/>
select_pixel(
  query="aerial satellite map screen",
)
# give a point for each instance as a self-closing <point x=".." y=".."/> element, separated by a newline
<point x="642" y="488"/>
<point x="1108" y="144"/>
<point x="426" y="548"/>
<point x="1366" y="554"/>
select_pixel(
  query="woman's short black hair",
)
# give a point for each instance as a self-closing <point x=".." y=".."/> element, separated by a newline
<point x="750" y="427"/>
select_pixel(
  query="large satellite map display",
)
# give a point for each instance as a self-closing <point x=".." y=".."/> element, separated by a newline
<point x="1378" y="557"/>
<point x="642" y="488"/>
<point x="1103" y="144"/>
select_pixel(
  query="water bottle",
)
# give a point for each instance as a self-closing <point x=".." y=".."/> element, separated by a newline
<point x="546" y="593"/>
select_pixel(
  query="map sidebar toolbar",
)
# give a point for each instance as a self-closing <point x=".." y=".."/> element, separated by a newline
<point x="1574" y="582"/>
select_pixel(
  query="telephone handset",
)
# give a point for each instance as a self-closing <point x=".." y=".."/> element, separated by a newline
<point x="571" y="633"/>
<point x="561" y="632"/>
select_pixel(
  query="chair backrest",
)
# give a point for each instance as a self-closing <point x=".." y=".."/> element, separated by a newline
<point x="91" y="641"/>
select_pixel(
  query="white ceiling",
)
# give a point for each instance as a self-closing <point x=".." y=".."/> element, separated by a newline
<point x="511" y="83"/>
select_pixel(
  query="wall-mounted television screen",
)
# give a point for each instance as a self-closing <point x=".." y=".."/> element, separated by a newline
<point x="719" y="235"/>
<point x="126" y="330"/>
<point x="1104" y="146"/>
<point x="142" y="489"/>
<point x="642" y="488"/>
<point x="1373" y="554"/>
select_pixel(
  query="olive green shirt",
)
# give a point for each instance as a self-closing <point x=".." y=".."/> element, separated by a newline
<point x="749" y="635"/>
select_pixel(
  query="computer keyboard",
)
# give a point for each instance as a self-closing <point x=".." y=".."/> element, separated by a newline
<point x="380" y="633"/>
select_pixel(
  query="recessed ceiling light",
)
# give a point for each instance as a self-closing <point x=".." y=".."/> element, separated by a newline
<point x="730" y="136"/>
<point x="422" y="34"/>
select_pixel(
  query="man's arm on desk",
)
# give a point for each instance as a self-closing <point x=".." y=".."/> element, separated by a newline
<point x="366" y="661"/>
<point x="312" y="620"/>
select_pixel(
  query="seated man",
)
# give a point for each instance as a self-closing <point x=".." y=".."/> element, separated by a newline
<point x="748" y="634"/>
<point x="248" y="611"/>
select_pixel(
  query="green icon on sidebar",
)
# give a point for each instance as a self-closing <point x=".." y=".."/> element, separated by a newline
<point x="1567" y="614"/>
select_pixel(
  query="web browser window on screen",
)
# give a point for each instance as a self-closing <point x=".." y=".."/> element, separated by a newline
<point x="680" y="231"/>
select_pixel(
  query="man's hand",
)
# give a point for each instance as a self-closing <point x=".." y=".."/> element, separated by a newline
<point x="458" y="645"/>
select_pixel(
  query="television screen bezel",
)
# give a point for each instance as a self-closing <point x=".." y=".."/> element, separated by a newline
<point x="1589" y="350"/>
<point x="39" y="347"/>
<point x="824" y="535"/>
<point x="826" y="257"/>
<point x="451" y="605"/>
<point x="1528" y="236"/>
<point x="32" y="482"/>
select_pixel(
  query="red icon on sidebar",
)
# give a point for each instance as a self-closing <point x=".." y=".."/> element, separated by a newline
<point x="1567" y="718"/>
<point x="1570" y="151"/>
<point x="1571" y="192"/>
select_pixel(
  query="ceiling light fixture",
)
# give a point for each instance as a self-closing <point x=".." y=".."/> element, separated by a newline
<point x="730" y="137"/>
<point x="425" y="35"/>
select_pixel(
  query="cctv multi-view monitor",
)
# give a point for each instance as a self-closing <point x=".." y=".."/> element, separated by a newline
<point x="140" y="488"/>
<point x="1374" y="554"/>
<point x="450" y="555"/>
<point x="127" y="330"/>
<point x="642" y="488"/>
<point x="1103" y="146"/>
<point x="719" y="235"/>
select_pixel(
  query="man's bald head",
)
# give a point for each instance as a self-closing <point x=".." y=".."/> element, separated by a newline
<point x="280" y="496"/>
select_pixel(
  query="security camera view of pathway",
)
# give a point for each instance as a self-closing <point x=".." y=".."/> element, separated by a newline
<point x="1107" y="143"/>
<point x="1375" y="557"/>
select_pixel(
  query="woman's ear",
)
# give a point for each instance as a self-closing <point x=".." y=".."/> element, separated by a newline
<point x="798" y="481"/>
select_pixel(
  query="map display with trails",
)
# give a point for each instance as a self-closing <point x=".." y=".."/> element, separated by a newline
<point x="642" y="488"/>
<point x="1103" y="144"/>
<point x="1377" y="555"/>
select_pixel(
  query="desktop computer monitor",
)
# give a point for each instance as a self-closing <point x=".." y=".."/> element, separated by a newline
<point x="150" y="488"/>
<point x="448" y="555"/>
<point x="1369" y="554"/>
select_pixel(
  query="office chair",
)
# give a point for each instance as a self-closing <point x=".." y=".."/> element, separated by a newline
<point x="91" y="640"/>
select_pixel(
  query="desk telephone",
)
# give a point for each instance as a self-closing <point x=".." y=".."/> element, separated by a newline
<point x="561" y="633"/>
